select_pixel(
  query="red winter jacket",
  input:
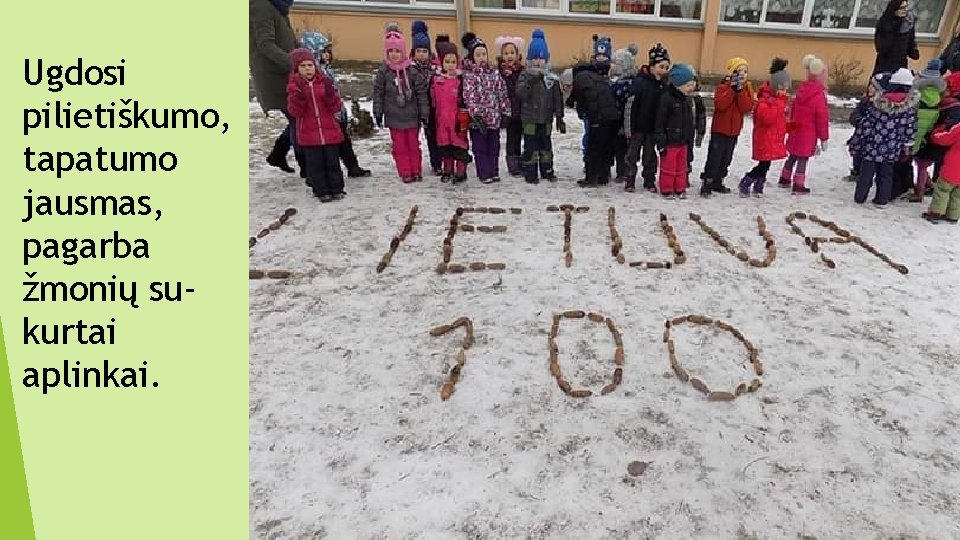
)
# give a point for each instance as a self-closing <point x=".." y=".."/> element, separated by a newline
<point x="314" y="104"/>
<point x="729" y="108"/>
<point x="770" y="125"/>
<point x="949" y="137"/>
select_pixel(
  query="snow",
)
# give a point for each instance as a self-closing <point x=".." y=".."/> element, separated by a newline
<point x="855" y="432"/>
<point x="843" y="103"/>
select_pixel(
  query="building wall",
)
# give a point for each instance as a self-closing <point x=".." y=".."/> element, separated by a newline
<point x="359" y="36"/>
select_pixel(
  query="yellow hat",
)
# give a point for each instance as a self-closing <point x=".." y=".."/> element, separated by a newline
<point x="734" y="63"/>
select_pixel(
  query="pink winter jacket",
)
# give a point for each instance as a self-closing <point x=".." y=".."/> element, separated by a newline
<point x="809" y="119"/>
<point x="445" y="94"/>
<point x="485" y="93"/>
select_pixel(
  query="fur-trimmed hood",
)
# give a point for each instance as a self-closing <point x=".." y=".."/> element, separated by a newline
<point x="888" y="103"/>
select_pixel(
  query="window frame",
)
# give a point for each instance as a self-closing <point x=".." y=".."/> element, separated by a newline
<point x="613" y="13"/>
<point x="804" y="25"/>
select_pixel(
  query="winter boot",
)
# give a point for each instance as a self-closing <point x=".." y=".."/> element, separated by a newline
<point x="718" y="187"/>
<point x="630" y="185"/>
<point x="758" y="186"/>
<point x="513" y="166"/>
<point x="786" y="177"/>
<point x="798" y="184"/>
<point x="706" y="189"/>
<point x="745" y="185"/>
<point x="358" y="172"/>
<point x="278" y="156"/>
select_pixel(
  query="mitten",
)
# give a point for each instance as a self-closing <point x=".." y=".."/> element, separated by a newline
<point x="737" y="80"/>
<point x="477" y="124"/>
<point x="661" y="143"/>
<point x="379" y="121"/>
<point x="699" y="141"/>
<point x="823" y="146"/>
<point x="561" y="126"/>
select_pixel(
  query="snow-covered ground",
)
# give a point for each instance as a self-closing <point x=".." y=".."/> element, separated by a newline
<point x="854" y="434"/>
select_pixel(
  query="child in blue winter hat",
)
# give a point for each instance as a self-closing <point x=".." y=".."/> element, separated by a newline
<point x="541" y="104"/>
<point x="602" y="52"/>
<point x="674" y="131"/>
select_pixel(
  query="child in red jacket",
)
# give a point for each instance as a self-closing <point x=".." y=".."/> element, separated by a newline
<point x="733" y="99"/>
<point x="809" y="126"/>
<point x="313" y="102"/>
<point x="946" y="192"/>
<point x="769" y="127"/>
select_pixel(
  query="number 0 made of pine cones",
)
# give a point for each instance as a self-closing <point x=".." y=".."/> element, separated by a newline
<point x="554" y="351"/>
<point x="681" y="373"/>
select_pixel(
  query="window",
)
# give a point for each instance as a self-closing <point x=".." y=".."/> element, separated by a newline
<point x="785" y="11"/>
<point x="637" y="7"/>
<point x="681" y="9"/>
<point x="859" y="15"/>
<point x="593" y="7"/>
<point x="541" y="4"/>
<point x="742" y="11"/>
<point x="832" y="13"/>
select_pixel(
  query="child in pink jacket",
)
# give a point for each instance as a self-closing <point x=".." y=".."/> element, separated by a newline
<point x="447" y="103"/>
<point x="809" y="126"/>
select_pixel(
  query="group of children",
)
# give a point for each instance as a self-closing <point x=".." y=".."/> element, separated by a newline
<point x="902" y="119"/>
<point x="650" y="116"/>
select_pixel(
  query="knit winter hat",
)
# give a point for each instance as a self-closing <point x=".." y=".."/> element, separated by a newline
<point x="602" y="45"/>
<point x="445" y="47"/>
<point x="626" y="60"/>
<point x="778" y="73"/>
<point x="566" y="78"/>
<point x="315" y="41"/>
<point x="658" y="53"/>
<point x="300" y="55"/>
<point x="880" y="82"/>
<point x="932" y="71"/>
<point x="902" y="77"/>
<point x="394" y="40"/>
<point x="470" y="42"/>
<point x="816" y="68"/>
<point x="735" y="63"/>
<point x="538" y="46"/>
<point x="421" y="37"/>
<point x="502" y="41"/>
<point x="681" y="74"/>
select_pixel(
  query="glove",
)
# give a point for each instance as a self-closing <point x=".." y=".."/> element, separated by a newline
<point x="379" y="121"/>
<point x="561" y="127"/>
<point x="661" y="144"/>
<point x="823" y="146"/>
<point x="477" y="124"/>
<point x="699" y="141"/>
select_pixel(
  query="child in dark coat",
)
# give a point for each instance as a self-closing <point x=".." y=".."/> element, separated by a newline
<point x="313" y="101"/>
<point x="638" y="118"/>
<point x="424" y="64"/>
<point x="400" y="101"/>
<point x="674" y="131"/>
<point x="887" y="128"/>
<point x="622" y="73"/>
<point x="541" y="104"/>
<point x="593" y="98"/>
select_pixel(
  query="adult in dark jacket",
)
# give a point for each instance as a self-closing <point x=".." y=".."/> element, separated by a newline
<point x="271" y="39"/>
<point x="950" y="57"/>
<point x="895" y="38"/>
<point x="639" y="115"/>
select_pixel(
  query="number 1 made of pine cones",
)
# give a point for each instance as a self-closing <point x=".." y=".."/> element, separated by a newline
<point x="681" y="373"/>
